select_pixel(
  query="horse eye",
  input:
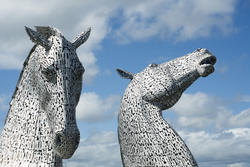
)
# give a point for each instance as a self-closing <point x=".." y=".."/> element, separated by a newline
<point x="49" y="74"/>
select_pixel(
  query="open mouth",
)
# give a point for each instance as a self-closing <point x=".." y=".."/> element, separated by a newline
<point x="206" y="66"/>
<point x="208" y="61"/>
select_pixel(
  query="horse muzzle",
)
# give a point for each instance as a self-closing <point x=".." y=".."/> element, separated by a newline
<point x="65" y="144"/>
<point x="206" y="66"/>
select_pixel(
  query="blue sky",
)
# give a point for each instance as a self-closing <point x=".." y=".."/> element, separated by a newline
<point x="213" y="115"/>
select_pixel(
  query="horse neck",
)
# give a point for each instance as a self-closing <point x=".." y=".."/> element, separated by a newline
<point x="26" y="136"/>
<point x="133" y="105"/>
<point x="146" y="114"/>
<point x="143" y="131"/>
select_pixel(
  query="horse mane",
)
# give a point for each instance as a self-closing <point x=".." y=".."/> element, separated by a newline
<point x="47" y="31"/>
<point x="20" y="76"/>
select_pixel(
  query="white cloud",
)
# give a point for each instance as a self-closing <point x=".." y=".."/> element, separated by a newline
<point x="181" y="19"/>
<point x="98" y="150"/>
<point x="178" y="19"/>
<point x="222" y="149"/>
<point x="244" y="98"/>
<point x="92" y="108"/>
<point x="70" y="17"/>
<point x="216" y="136"/>
<point x="226" y="147"/>
<point x="242" y="119"/>
<point x="238" y="165"/>
<point x="200" y="111"/>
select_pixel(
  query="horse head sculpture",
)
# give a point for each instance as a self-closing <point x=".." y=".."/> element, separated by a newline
<point x="41" y="128"/>
<point x="146" y="139"/>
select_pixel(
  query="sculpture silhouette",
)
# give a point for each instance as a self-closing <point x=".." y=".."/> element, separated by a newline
<point x="40" y="129"/>
<point x="145" y="138"/>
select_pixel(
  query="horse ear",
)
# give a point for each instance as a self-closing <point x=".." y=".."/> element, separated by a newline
<point x="38" y="38"/>
<point x="81" y="38"/>
<point x="125" y="74"/>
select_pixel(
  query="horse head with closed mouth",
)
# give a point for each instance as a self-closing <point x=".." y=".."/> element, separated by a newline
<point x="41" y="122"/>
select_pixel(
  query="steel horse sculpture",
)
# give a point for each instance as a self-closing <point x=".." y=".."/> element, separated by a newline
<point x="40" y="129"/>
<point x="145" y="138"/>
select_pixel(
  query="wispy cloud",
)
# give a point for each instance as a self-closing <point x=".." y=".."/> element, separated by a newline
<point x="228" y="148"/>
<point x="223" y="69"/>
<point x="93" y="108"/>
<point x="201" y="111"/>
<point x="220" y="149"/>
<point x="178" y="19"/>
<point x="244" y="98"/>
<point x="137" y="20"/>
<point x="98" y="150"/>
<point x="216" y="136"/>
<point x="240" y="164"/>
<point x="241" y="120"/>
